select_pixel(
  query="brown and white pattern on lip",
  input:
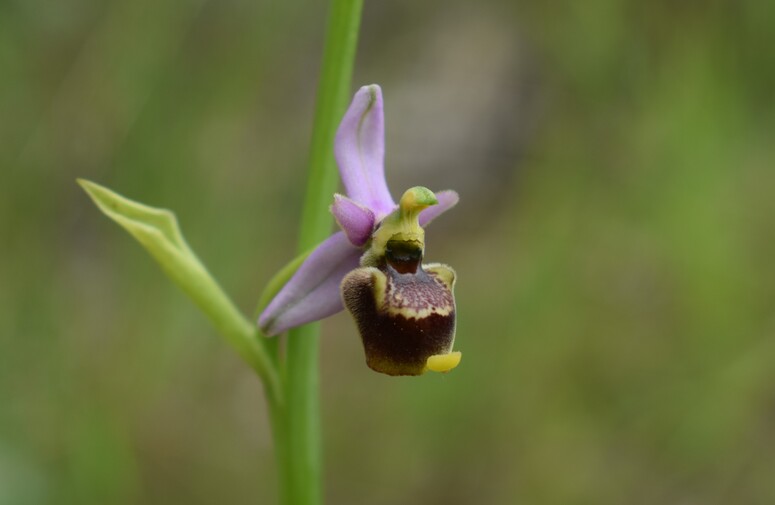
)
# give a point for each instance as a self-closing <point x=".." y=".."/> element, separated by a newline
<point x="403" y="318"/>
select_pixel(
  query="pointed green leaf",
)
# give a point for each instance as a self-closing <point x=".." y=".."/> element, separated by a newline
<point x="138" y="219"/>
<point x="158" y="231"/>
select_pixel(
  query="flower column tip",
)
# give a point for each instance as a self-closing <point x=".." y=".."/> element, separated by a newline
<point x="416" y="199"/>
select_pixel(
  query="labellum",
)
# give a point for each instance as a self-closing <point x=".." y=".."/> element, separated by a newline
<point x="404" y="310"/>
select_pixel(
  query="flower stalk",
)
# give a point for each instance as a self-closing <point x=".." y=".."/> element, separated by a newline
<point x="301" y="474"/>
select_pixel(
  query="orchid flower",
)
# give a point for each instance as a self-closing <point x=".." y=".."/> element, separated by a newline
<point x="404" y="310"/>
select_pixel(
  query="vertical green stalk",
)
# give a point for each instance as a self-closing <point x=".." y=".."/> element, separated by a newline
<point x="301" y="475"/>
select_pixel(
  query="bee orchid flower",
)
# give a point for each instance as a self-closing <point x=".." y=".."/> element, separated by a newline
<point x="404" y="309"/>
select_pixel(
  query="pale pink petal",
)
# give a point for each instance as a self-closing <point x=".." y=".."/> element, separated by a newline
<point x="359" y="148"/>
<point x="447" y="199"/>
<point x="355" y="220"/>
<point x="313" y="291"/>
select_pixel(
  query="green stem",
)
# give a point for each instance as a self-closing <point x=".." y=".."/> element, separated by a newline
<point x="276" y="410"/>
<point x="301" y="475"/>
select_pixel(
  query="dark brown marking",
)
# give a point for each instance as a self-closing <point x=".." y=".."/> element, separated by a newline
<point x="396" y="344"/>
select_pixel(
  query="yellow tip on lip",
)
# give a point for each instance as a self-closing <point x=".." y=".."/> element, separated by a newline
<point x="443" y="362"/>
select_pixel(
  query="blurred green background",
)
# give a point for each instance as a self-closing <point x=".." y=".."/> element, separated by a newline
<point x="614" y="244"/>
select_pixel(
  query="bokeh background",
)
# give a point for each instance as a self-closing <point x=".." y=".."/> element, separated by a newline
<point x="614" y="244"/>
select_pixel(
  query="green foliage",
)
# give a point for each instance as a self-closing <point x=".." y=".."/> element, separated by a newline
<point x="157" y="230"/>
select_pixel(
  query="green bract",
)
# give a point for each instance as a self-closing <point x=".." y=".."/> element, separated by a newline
<point x="158" y="231"/>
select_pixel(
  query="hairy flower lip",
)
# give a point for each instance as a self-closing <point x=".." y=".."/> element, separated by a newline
<point x="312" y="293"/>
<point x="404" y="319"/>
